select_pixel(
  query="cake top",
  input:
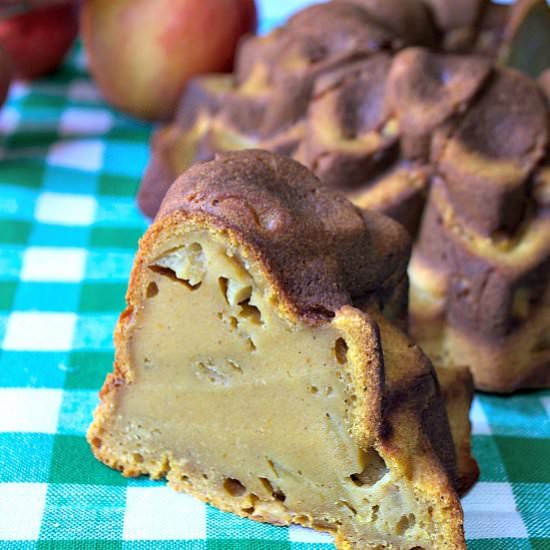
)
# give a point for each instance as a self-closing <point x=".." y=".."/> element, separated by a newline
<point x="410" y="20"/>
<point x="425" y="88"/>
<point x="319" y="250"/>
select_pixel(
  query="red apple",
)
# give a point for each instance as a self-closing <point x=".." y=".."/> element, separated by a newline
<point x="38" y="40"/>
<point x="6" y="73"/>
<point x="249" y="20"/>
<point x="142" y="52"/>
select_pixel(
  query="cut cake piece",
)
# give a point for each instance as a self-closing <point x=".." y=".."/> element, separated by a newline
<point x="260" y="367"/>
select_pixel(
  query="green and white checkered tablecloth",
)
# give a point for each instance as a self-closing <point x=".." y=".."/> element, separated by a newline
<point x="69" y="169"/>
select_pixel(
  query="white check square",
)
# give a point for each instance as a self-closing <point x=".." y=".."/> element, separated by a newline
<point x="296" y="533"/>
<point x="29" y="410"/>
<point x="21" y="509"/>
<point x="9" y="119"/>
<point x="39" y="331"/>
<point x="160" y="513"/>
<point x="19" y="89"/>
<point x="490" y="511"/>
<point x="82" y="154"/>
<point x="85" y="121"/>
<point x="478" y="418"/>
<point x="76" y="411"/>
<point x="47" y="264"/>
<point x="65" y="209"/>
<point x="83" y="90"/>
<point x="80" y="60"/>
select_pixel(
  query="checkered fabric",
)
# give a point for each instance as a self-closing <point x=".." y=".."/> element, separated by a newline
<point x="69" y="169"/>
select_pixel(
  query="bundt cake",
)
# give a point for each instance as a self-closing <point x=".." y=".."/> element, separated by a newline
<point x="260" y="365"/>
<point x="274" y="74"/>
<point x="451" y="142"/>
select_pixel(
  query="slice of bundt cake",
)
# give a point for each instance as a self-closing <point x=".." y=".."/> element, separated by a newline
<point x="259" y="365"/>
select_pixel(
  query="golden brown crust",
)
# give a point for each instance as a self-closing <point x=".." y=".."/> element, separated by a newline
<point x="411" y="385"/>
<point x="301" y="229"/>
<point x="426" y="90"/>
<point x="457" y="387"/>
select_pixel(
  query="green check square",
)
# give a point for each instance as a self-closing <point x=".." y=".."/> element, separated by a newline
<point x="66" y="73"/>
<point x="73" y="462"/>
<point x="515" y="450"/>
<point x="494" y="544"/>
<point x="88" y="369"/>
<point x="14" y="231"/>
<point x="117" y="185"/>
<point x="137" y="133"/>
<point x="7" y="292"/>
<point x="196" y="544"/>
<point x="25" y="174"/>
<point x="487" y="454"/>
<point x="43" y="101"/>
<point x="115" y="237"/>
<point x="32" y="138"/>
<point x="540" y="544"/>
<point x="528" y="497"/>
<point x="102" y="297"/>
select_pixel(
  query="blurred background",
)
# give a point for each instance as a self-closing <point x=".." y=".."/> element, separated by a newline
<point x="73" y="148"/>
